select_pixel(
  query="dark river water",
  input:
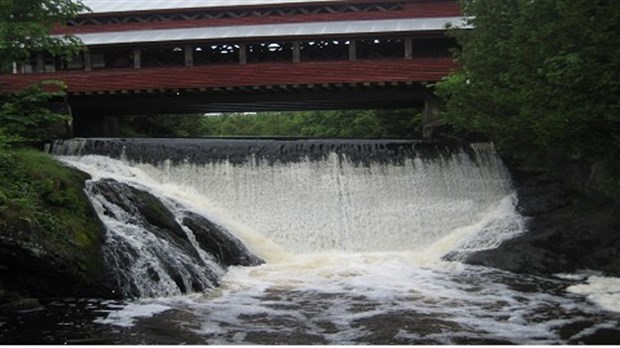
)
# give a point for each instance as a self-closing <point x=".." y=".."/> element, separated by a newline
<point x="454" y="304"/>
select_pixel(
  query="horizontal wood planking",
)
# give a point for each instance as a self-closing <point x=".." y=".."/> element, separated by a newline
<point x="222" y="76"/>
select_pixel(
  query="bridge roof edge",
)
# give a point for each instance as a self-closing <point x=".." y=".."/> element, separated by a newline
<point x="285" y="30"/>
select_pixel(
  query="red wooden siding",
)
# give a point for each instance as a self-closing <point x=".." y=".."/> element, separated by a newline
<point x="265" y="74"/>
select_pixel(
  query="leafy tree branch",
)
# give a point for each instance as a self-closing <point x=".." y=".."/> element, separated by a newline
<point x="539" y="78"/>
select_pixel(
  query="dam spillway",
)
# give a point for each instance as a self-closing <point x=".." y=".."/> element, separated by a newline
<point x="324" y="195"/>
<point x="354" y="234"/>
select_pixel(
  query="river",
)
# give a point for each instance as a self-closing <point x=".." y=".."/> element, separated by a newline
<point x="354" y="235"/>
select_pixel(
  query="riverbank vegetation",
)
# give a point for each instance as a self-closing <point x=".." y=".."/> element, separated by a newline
<point x="541" y="79"/>
<point x="49" y="234"/>
<point x="50" y="237"/>
<point x="405" y="123"/>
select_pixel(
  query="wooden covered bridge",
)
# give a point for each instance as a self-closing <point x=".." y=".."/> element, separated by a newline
<point x="187" y="56"/>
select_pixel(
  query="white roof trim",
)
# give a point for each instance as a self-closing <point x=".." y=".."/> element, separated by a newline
<point x="388" y="26"/>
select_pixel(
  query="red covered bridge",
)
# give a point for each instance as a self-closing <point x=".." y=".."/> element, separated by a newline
<point x="180" y="56"/>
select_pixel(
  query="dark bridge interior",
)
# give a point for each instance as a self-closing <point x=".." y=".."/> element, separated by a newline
<point x="255" y="99"/>
<point x="95" y="115"/>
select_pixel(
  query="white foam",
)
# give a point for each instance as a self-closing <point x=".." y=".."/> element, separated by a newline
<point x="568" y="276"/>
<point x="100" y="167"/>
<point x="127" y="316"/>
<point x="346" y="290"/>
<point x="604" y="291"/>
<point x="336" y="205"/>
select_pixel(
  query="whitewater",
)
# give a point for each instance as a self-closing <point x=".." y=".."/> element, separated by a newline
<point x="355" y="251"/>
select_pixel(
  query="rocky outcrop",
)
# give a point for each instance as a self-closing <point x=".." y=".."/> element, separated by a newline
<point x="569" y="228"/>
<point x="146" y="210"/>
<point x="226" y="249"/>
<point x="32" y="267"/>
<point x="53" y="245"/>
<point x="158" y="219"/>
<point x="145" y="230"/>
<point x="50" y="247"/>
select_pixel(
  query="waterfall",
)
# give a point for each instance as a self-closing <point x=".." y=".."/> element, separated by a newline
<point x="289" y="196"/>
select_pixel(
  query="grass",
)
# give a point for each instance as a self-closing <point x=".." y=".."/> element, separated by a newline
<point x="43" y="203"/>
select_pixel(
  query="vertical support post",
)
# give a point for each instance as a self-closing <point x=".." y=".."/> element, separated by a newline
<point x="408" y="48"/>
<point x="88" y="61"/>
<point x="110" y="126"/>
<point x="296" y="52"/>
<point x="189" y="55"/>
<point x="431" y="117"/>
<point x="243" y="53"/>
<point x="352" y="50"/>
<point x="40" y="63"/>
<point x="137" y="58"/>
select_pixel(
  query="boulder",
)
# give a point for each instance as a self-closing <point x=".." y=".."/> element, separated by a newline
<point x="34" y="265"/>
<point x="147" y="210"/>
<point x="537" y="200"/>
<point x="566" y="231"/>
<point x="225" y="248"/>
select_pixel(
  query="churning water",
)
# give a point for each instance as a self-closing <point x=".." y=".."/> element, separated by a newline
<point x="353" y="234"/>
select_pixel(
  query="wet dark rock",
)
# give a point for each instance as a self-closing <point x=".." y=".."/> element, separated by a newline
<point x="600" y="337"/>
<point x="35" y="262"/>
<point x="153" y="216"/>
<point x="566" y="231"/>
<point x="140" y="204"/>
<point x="226" y="249"/>
<point x="147" y="211"/>
<point x="50" y="236"/>
<point x="566" y="241"/>
<point x="537" y="200"/>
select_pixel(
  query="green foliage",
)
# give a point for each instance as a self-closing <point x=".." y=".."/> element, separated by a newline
<point x="29" y="176"/>
<point x="177" y="126"/>
<point x="45" y="203"/>
<point x="26" y="115"/>
<point x="42" y="203"/>
<point x="6" y="140"/>
<point x="319" y="124"/>
<point x="539" y="77"/>
<point x="25" y="27"/>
